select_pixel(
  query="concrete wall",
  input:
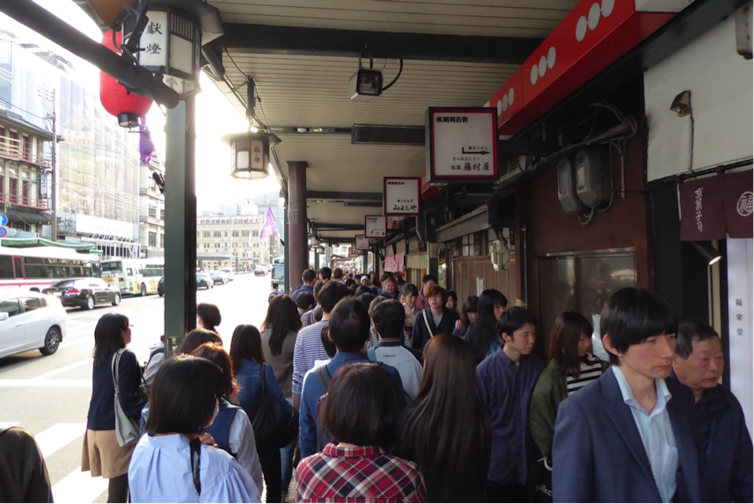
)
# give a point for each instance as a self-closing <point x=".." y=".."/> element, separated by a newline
<point x="720" y="82"/>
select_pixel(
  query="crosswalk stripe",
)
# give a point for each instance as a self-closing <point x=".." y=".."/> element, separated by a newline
<point x="78" y="487"/>
<point x="63" y="369"/>
<point x="82" y="383"/>
<point x="52" y="439"/>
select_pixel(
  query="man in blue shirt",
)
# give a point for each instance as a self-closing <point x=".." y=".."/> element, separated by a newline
<point x="628" y="436"/>
<point x="308" y="279"/>
<point x="506" y="381"/>
<point x="349" y="330"/>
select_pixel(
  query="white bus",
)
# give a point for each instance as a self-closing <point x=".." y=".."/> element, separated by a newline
<point x="134" y="276"/>
<point x="39" y="267"/>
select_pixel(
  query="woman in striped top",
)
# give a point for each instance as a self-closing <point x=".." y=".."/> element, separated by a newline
<point x="571" y="367"/>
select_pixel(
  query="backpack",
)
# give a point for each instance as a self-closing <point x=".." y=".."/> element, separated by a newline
<point x="323" y="437"/>
<point x="372" y="356"/>
<point x="220" y="428"/>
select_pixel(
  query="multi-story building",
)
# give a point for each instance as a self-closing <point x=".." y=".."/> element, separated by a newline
<point x="152" y="210"/>
<point x="231" y="241"/>
<point x="24" y="169"/>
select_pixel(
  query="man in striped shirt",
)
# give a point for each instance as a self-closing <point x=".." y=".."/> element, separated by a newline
<point x="309" y="346"/>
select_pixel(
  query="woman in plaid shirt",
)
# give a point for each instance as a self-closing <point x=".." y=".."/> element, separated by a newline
<point x="360" y="410"/>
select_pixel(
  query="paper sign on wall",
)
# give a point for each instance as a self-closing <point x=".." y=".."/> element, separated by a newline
<point x="375" y="226"/>
<point x="461" y="143"/>
<point x="362" y="243"/>
<point x="402" y="195"/>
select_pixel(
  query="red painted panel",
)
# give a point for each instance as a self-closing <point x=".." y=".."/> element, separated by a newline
<point x="594" y="35"/>
<point x="509" y="99"/>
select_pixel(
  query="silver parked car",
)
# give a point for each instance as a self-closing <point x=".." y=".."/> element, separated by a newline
<point x="30" y="320"/>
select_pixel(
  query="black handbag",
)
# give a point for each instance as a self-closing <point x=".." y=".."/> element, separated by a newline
<point x="273" y="425"/>
<point x="539" y="480"/>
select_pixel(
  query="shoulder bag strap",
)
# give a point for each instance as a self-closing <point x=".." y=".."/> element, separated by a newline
<point x="114" y="364"/>
<point x="429" y="327"/>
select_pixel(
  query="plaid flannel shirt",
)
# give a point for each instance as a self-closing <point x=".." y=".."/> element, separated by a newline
<point x="364" y="474"/>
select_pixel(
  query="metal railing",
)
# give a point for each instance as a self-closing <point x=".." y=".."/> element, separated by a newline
<point x="24" y="201"/>
<point x="12" y="148"/>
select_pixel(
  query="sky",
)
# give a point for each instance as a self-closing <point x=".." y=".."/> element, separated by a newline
<point x="215" y="117"/>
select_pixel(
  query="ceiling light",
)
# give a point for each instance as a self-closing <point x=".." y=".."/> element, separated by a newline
<point x="682" y="104"/>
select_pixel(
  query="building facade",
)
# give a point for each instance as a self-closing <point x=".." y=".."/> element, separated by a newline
<point x="231" y="241"/>
<point x="152" y="209"/>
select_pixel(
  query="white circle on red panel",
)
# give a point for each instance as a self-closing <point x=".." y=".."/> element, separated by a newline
<point x="581" y="29"/>
<point x="505" y="101"/>
<point x="510" y="96"/>
<point x="551" y="57"/>
<point x="542" y="66"/>
<point x="534" y="74"/>
<point x="607" y="7"/>
<point x="500" y="107"/>
<point x="594" y="16"/>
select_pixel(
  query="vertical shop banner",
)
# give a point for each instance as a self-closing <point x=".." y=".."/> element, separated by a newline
<point x="702" y="215"/>
<point x="740" y="326"/>
<point x="395" y="263"/>
<point x="737" y="200"/>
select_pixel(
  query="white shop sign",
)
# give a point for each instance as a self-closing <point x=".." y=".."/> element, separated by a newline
<point x="462" y="143"/>
<point x="362" y="243"/>
<point x="402" y="195"/>
<point x="375" y="226"/>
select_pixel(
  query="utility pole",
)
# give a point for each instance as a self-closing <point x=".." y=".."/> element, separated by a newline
<point x="54" y="177"/>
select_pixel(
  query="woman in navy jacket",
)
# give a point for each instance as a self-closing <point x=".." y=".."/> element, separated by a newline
<point x="101" y="453"/>
<point x="628" y="436"/>
<point x="437" y="319"/>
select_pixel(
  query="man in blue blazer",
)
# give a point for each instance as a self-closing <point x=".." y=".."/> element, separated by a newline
<point x="628" y="436"/>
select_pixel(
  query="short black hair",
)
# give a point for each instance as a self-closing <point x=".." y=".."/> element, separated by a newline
<point x="330" y="294"/>
<point x="275" y="285"/>
<point x="389" y="318"/>
<point x="632" y="315"/>
<point x="427" y="278"/>
<point x="318" y="287"/>
<point x="690" y="331"/>
<point x="183" y="395"/>
<point x="361" y="406"/>
<point x="308" y="275"/>
<point x="366" y="299"/>
<point x="409" y="288"/>
<point x="196" y="338"/>
<point x="514" y="319"/>
<point x="330" y="348"/>
<point x="326" y="273"/>
<point x="304" y="300"/>
<point x="349" y="325"/>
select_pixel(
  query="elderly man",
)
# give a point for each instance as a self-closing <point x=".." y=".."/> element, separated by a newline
<point x="725" y="451"/>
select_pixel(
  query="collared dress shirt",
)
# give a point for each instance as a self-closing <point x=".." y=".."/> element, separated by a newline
<point x="308" y="348"/>
<point x="160" y="471"/>
<point x="656" y="434"/>
<point x="363" y="474"/>
<point x="506" y="389"/>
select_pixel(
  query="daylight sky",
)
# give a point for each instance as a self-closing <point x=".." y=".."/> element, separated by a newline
<point x="215" y="117"/>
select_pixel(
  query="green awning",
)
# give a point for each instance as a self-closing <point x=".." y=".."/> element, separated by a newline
<point x="42" y="242"/>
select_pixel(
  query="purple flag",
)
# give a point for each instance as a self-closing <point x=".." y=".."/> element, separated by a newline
<point x="269" y="225"/>
<point x="146" y="147"/>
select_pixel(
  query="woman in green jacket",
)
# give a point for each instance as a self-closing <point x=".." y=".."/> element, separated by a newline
<point x="571" y="367"/>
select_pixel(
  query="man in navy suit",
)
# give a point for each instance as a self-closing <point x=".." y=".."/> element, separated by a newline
<point x="627" y="437"/>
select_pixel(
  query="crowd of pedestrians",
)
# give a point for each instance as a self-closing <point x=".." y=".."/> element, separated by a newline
<point x="361" y="388"/>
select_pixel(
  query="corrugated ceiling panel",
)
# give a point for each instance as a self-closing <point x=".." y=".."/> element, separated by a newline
<point x="521" y="18"/>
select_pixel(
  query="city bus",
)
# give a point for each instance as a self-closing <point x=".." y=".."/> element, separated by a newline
<point x="40" y="267"/>
<point x="134" y="276"/>
<point x="278" y="272"/>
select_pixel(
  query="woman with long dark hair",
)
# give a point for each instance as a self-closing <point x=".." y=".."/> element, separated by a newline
<point x="483" y="334"/>
<point x="101" y="453"/>
<point x="208" y="316"/>
<point x="468" y="316"/>
<point x="279" y="330"/>
<point x="571" y="367"/>
<point x="248" y="365"/>
<point x="447" y="428"/>
<point x="170" y="464"/>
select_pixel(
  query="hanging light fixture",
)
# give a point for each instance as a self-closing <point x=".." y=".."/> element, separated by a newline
<point x="117" y="101"/>
<point x="250" y="154"/>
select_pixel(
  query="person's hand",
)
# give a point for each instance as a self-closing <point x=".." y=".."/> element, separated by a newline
<point x="207" y="439"/>
<point x="459" y="325"/>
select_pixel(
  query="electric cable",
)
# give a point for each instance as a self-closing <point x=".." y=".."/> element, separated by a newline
<point x="400" y="71"/>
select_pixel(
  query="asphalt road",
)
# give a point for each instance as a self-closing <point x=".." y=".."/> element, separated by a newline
<point x="49" y="396"/>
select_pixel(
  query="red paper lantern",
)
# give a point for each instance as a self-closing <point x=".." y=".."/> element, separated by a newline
<point x="127" y="107"/>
